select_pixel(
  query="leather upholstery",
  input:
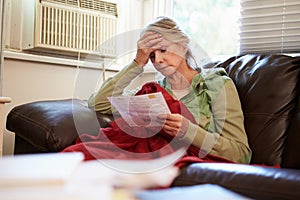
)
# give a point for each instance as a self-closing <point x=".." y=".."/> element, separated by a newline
<point x="269" y="88"/>
<point x="257" y="182"/>
<point x="291" y="153"/>
<point x="50" y="126"/>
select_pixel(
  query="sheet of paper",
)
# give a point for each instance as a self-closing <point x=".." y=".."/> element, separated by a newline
<point x="141" y="110"/>
<point x="38" y="169"/>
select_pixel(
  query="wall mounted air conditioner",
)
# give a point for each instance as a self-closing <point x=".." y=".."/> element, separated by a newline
<point x="70" y="26"/>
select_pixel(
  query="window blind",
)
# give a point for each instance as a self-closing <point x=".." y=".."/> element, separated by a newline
<point x="270" y="26"/>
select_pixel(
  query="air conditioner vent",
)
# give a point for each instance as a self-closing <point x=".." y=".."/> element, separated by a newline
<point x="66" y="2"/>
<point x="95" y="5"/>
<point x="65" y="28"/>
<point x="102" y="6"/>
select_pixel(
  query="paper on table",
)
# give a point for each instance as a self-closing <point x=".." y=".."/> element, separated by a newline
<point x="141" y="110"/>
<point x="48" y="176"/>
<point x="38" y="169"/>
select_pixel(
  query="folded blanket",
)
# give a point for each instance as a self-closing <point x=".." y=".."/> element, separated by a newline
<point x="120" y="141"/>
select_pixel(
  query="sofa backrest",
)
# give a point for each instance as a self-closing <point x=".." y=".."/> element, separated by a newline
<point x="291" y="153"/>
<point x="268" y="86"/>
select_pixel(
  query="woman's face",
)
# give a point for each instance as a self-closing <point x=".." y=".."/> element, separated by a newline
<point x="168" y="59"/>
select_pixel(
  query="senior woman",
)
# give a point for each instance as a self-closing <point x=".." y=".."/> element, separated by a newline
<point x="208" y="94"/>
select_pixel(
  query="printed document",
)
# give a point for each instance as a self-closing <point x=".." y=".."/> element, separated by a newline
<point x="141" y="110"/>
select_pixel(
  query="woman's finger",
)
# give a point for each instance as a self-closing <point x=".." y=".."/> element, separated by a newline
<point x="149" y="40"/>
<point x="150" y="36"/>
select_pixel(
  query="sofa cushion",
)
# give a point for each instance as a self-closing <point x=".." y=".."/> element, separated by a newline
<point x="257" y="182"/>
<point x="52" y="125"/>
<point x="268" y="89"/>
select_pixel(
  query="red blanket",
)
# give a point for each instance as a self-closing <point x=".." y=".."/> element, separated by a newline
<point x="141" y="142"/>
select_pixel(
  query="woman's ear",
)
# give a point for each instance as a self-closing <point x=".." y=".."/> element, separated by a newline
<point x="184" y="50"/>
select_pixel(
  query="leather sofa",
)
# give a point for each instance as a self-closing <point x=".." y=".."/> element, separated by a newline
<point x="269" y="89"/>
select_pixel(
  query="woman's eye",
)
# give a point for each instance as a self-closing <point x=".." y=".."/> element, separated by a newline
<point x="163" y="50"/>
<point x="152" y="55"/>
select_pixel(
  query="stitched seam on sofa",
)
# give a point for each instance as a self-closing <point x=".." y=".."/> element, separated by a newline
<point x="40" y="125"/>
<point x="51" y="138"/>
<point x="35" y="145"/>
<point x="34" y="122"/>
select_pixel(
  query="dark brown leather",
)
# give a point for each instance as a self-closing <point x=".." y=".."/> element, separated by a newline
<point x="268" y="86"/>
<point x="291" y="156"/>
<point x="103" y="119"/>
<point x="256" y="182"/>
<point x="51" y="125"/>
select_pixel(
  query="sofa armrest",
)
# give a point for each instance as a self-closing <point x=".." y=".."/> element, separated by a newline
<point x="50" y="126"/>
<point x="254" y="181"/>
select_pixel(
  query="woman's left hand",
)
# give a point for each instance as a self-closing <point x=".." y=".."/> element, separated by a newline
<point x="174" y="124"/>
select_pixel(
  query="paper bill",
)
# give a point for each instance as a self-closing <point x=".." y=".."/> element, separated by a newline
<point x="141" y="110"/>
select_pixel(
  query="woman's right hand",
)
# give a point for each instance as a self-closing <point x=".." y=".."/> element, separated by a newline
<point x="174" y="125"/>
<point x="147" y="44"/>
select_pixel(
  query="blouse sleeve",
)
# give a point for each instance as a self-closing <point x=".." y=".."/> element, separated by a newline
<point x="113" y="86"/>
<point x="230" y="139"/>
